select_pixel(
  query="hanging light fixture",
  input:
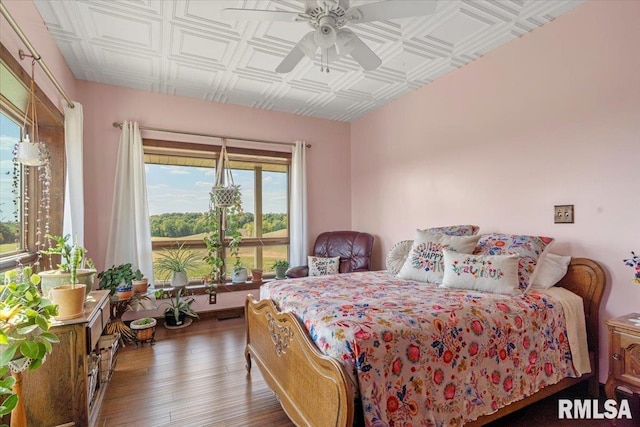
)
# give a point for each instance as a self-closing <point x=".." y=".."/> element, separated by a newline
<point x="32" y="152"/>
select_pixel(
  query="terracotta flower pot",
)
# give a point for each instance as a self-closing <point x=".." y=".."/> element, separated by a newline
<point x="256" y="275"/>
<point x="70" y="300"/>
<point x="140" y="286"/>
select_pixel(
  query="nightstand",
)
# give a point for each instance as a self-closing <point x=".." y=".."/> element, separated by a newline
<point x="624" y="354"/>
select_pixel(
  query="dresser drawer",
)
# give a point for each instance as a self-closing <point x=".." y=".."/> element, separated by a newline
<point x="626" y="357"/>
<point x="96" y="325"/>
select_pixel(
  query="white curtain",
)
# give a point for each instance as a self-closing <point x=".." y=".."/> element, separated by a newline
<point x="74" y="196"/>
<point x="130" y="232"/>
<point x="299" y="238"/>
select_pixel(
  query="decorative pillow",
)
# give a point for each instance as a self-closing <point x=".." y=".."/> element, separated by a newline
<point x="550" y="270"/>
<point x="456" y="230"/>
<point x="398" y="255"/>
<point x="424" y="262"/>
<point x="319" y="266"/>
<point x="528" y="248"/>
<point x="497" y="274"/>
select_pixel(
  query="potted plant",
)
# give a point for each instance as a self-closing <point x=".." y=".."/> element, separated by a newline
<point x="25" y="318"/>
<point x="175" y="263"/>
<point x="62" y="274"/>
<point x="139" y="282"/>
<point x="280" y="267"/>
<point x="144" y="329"/>
<point x="117" y="279"/>
<point x="175" y="315"/>
<point x="70" y="296"/>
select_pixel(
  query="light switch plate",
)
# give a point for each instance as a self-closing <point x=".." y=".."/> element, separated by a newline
<point x="563" y="214"/>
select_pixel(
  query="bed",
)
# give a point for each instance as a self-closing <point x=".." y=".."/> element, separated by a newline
<point x="315" y="389"/>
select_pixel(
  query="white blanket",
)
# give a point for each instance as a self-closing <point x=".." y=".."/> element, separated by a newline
<point x="576" y="326"/>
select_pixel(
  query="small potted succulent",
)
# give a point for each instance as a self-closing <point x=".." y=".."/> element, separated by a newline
<point x="85" y="271"/>
<point x="139" y="282"/>
<point x="280" y="267"/>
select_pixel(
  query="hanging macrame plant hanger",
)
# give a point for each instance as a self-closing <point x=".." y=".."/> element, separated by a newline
<point x="224" y="190"/>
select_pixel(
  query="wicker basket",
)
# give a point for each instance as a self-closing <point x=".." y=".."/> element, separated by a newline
<point x="144" y="330"/>
<point x="93" y="361"/>
<point x="108" y="345"/>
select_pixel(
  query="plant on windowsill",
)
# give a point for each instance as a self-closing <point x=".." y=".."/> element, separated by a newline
<point x="239" y="273"/>
<point x="62" y="274"/>
<point x="175" y="315"/>
<point x="175" y="263"/>
<point x="25" y="318"/>
<point x="280" y="266"/>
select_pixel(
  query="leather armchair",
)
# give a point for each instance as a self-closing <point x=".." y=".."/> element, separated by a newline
<point x="353" y="248"/>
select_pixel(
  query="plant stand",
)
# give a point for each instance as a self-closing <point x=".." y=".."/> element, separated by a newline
<point x="116" y="325"/>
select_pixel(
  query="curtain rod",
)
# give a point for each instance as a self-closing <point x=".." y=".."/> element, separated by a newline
<point x="210" y="135"/>
<point x="34" y="53"/>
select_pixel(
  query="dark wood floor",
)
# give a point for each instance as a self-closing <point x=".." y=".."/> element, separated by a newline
<point x="196" y="377"/>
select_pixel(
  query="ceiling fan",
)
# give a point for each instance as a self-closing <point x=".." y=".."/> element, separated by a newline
<point x="328" y="19"/>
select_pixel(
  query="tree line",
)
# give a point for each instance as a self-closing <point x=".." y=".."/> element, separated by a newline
<point x="190" y="223"/>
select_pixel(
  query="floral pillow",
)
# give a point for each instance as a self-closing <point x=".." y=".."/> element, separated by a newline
<point x="424" y="262"/>
<point x="497" y="274"/>
<point x="530" y="249"/>
<point x="456" y="230"/>
<point x="319" y="266"/>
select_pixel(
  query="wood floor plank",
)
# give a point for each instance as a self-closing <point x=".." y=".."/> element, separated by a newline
<point x="194" y="376"/>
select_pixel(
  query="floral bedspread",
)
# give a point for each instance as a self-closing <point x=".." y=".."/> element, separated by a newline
<point x="428" y="356"/>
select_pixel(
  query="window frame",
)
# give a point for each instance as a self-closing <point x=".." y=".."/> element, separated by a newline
<point x="212" y="152"/>
<point x="51" y="132"/>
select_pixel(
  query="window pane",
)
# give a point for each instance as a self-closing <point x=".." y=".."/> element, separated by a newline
<point x="275" y="217"/>
<point x="271" y="254"/>
<point x="195" y="274"/>
<point x="10" y="213"/>
<point x="245" y="178"/>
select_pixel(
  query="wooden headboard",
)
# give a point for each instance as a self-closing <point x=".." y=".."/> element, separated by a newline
<point x="587" y="279"/>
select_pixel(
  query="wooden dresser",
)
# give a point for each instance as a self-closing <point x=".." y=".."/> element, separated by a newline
<point x="624" y="354"/>
<point x="57" y="392"/>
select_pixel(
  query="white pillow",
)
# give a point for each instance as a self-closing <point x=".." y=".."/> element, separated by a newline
<point x="424" y="262"/>
<point x="319" y="266"/>
<point x="552" y="268"/>
<point x="497" y="274"/>
<point x="398" y="255"/>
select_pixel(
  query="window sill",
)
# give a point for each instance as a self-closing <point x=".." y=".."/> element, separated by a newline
<point x="201" y="289"/>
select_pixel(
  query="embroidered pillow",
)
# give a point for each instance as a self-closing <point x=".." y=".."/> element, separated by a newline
<point x="424" y="262"/>
<point x="529" y="248"/>
<point x="319" y="266"/>
<point x="497" y="274"/>
<point x="456" y="230"/>
<point x="550" y="270"/>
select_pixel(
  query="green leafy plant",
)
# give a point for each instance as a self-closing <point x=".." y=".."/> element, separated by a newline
<point x="113" y="277"/>
<point x="281" y="263"/>
<point x="67" y="254"/>
<point x="177" y="305"/>
<point x="178" y="259"/>
<point x="137" y="275"/>
<point x="25" y="318"/>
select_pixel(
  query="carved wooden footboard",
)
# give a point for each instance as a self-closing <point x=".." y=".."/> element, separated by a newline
<point x="314" y="390"/>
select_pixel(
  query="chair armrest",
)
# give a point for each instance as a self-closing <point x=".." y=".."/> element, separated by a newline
<point x="300" y="271"/>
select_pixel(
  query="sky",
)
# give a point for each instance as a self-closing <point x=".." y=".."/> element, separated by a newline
<point x="186" y="189"/>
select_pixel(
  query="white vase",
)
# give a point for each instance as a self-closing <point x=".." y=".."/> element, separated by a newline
<point x="179" y="279"/>
<point x="239" y="276"/>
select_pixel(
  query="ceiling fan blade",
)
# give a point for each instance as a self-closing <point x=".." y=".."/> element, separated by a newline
<point x="305" y="46"/>
<point x="310" y="5"/>
<point x="390" y="9"/>
<point x="291" y="60"/>
<point x="233" y="14"/>
<point x="362" y="54"/>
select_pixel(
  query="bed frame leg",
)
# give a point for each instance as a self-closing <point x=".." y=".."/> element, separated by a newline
<point x="247" y="356"/>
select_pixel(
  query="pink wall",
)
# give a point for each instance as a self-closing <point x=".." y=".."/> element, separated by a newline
<point x="31" y="23"/>
<point x="551" y="118"/>
<point x="329" y="193"/>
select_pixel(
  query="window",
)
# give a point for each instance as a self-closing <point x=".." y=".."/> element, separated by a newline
<point x="11" y="217"/>
<point x="179" y="179"/>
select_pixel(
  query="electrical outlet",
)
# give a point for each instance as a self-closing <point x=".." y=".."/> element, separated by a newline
<point x="563" y="214"/>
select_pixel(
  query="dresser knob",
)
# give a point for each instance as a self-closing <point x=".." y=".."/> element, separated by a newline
<point x="616" y="356"/>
